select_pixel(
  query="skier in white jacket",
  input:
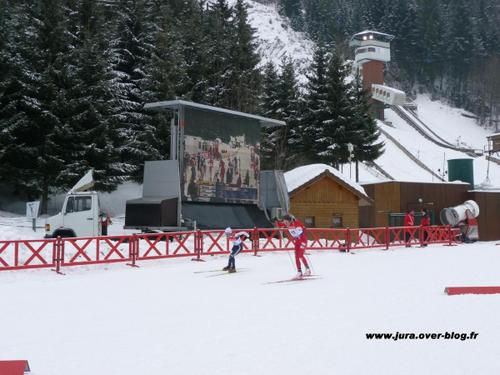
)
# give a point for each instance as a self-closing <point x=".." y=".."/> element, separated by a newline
<point x="238" y="240"/>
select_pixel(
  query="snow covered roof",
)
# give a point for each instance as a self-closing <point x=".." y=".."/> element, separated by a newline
<point x="456" y="182"/>
<point x="177" y="104"/>
<point x="298" y="177"/>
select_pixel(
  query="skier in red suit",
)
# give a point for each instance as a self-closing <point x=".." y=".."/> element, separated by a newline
<point x="298" y="232"/>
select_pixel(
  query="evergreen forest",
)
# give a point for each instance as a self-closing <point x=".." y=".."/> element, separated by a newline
<point x="75" y="75"/>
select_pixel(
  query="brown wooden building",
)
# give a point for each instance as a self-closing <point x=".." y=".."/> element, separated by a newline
<point x="489" y="213"/>
<point x="323" y="198"/>
<point x="394" y="197"/>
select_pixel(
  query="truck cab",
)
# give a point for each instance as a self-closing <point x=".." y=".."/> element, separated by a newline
<point x="79" y="216"/>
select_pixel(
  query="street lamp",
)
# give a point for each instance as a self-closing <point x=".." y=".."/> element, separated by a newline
<point x="350" y="148"/>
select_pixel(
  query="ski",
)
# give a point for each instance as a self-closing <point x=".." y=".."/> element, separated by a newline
<point x="294" y="279"/>
<point x="222" y="273"/>
<point x="218" y="270"/>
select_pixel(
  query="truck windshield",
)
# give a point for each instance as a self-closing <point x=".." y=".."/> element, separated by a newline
<point x="77" y="204"/>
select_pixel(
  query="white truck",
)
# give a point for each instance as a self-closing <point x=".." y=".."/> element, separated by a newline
<point x="79" y="216"/>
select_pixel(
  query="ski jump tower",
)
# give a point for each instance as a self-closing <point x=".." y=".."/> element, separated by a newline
<point x="372" y="50"/>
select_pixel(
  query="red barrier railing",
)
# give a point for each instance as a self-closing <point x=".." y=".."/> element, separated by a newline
<point x="166" y="245"/>
<point x="25" y="254"/>
<point x="95" y="250"/>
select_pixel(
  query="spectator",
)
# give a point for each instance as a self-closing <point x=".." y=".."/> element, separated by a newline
<point x="105" y="221"/>
<point x="409" y="221"/>
<point x="425" y="222"/>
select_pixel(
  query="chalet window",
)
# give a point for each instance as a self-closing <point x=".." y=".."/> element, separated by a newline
<point x="337" y="221"/>
<point x="309" y="221"/>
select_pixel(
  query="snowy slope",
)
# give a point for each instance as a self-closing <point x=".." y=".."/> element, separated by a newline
<point x="276" y="39"/>
<point x="435" y="156"/>
<point x="166" y="318"/>
<point x="450" y="125"/>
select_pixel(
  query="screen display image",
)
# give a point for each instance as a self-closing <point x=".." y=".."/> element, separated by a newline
<point x="221" y="160"/>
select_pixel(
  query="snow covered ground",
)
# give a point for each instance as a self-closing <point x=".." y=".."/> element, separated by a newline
<point x="171" y="317"/>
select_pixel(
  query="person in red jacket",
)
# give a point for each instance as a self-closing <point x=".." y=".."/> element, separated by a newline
<point x="425" y="222"/>
<point x="409" y="221"/>
<point x="298" y="232"/>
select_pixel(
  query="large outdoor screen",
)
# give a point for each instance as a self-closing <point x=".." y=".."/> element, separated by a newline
<point x="221" y="160"/>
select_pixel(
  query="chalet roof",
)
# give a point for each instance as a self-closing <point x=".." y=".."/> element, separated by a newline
<point x="301" y="176"/>
<point x="177" y="104"/>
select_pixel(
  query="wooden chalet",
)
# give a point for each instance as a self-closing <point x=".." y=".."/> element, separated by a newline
<point x="321" y="197"/>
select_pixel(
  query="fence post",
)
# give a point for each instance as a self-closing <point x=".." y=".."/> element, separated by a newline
<point x="348" y="240"/>
<point x="198" y="245"/>
<point x="255" y="241"/>
<point x="421" y="235"/>
<point x="58" y="256"/>
<point x="387" y="238"/>
<point x="133" y="250"/>
<point x="449" y="235"/>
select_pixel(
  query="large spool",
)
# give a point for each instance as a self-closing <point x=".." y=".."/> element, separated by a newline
<point x="454" y="215"/>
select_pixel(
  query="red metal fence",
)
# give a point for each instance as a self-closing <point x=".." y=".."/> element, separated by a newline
<point x="66" y="252"/>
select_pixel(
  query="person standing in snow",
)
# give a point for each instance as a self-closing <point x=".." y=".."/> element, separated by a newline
<point x="298" y="232"/>
<point x="409" y="221"/>
<point x="105" y="221"/>
<point x="425" y="222"/>
<point x="238" y="240"/>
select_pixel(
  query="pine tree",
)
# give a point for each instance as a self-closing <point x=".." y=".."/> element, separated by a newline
<point x="400" y="20"/>
<point x="315" y="112"/>
<point x="459" y="48"/>
<point x="34" y="99"/>
<point x="269" y="108"/>
<point x="364" y="130"/>
<point x="132" y="48"/>
<point x="191" y="21"/>
<point x="14" y="99"/>
<point x="293" y="10"/>
<point x="319" y="19"/>
<point x="290" y="112"/>
<point x="429" y="42"/>
<point x="335" y="131"/>
<point x="85" y="140"/>
<point x="220" y="31"/>
<point x="244" y="74"/>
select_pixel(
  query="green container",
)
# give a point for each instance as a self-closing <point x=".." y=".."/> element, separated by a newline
<point x="461" y="169"/>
